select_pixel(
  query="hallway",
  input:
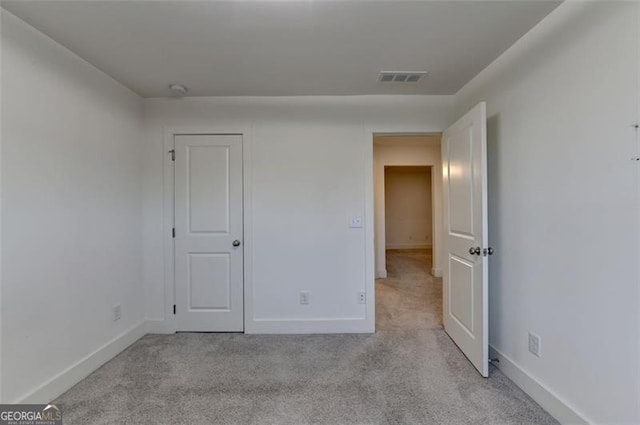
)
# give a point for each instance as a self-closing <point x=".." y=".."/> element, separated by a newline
<point x="409" y="298"/>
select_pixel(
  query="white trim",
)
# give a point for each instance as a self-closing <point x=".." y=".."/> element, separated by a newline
<point x="168" y="214"/>
<point x="75" y="373"/>
<point x="247" y="231"/>
<point x="409" y="246"/>
<point x="310" y="326"/>
<point x="369" y="238"/>
<point x="168" y="223"/>
<point x="436" y="272"/>
<point x="156" y="326"/>
<point x="381" y="274"/>
<point x="545" y="397"/>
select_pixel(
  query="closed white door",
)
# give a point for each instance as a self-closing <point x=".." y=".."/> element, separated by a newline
<point x="465" y="274"/>
<point x="208" y="233"/>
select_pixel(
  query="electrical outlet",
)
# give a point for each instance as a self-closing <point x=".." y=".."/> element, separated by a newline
<point x="117" y="312"/>
<point x="304" y="297"/>
<point x="355" y="221"/>
<point x="535" y="344"/>
<point x="362" y="298"/>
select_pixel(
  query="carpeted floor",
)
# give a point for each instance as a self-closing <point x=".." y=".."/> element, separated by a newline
<point x="409" y="372"/>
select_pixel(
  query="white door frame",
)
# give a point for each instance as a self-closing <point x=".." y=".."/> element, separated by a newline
<point x="370" y="254"/>
<point x="170" y="325"/>
<point x="436" y="209"/>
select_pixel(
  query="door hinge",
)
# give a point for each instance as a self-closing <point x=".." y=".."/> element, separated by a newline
<point x="173" y="232"/>
<point x="174" y="309"/>
<point x="173" y="154"/>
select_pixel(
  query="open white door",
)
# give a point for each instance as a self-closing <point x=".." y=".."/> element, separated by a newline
<point x="465" y="274"/>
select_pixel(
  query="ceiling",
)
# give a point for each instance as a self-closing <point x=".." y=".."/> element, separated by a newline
<point x="267" y="48"/>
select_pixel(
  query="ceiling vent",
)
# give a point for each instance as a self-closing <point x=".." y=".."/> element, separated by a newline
<point x="401" y="76"/>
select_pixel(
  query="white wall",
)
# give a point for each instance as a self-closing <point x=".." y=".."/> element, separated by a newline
<point x="564" y="208"/>
<point x="560" y="106"/>
<point x="408" y="207"/>
<point x="411" y="151"/>
<point x="71" y="213"/>
<point x="310" y="168"/>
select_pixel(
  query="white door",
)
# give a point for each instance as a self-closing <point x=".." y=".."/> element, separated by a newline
<point x="208" y="233"/>
<point x="465" y="274"/>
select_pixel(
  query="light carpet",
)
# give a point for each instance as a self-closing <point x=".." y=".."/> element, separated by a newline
<point x="408" y="372"/>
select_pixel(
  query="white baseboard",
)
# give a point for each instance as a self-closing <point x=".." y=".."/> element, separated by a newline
<point x="409" y="246"/>
<point x="285" y="326"/>
<point x="309" y="326"/>
<point x="436" y="272"/>
<point x="546" y="398"/>
<point x="381" y="274"/>
<point x="66" y="379"/>
<point x="157" y="326"/>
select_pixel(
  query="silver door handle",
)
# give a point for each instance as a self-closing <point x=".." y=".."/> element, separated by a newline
<point x="236" y="243"/>
<point x="475" y="251"/>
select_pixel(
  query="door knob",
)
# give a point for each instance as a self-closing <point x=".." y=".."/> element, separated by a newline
<point x="236" y="243"/>
<point x="475" y="251"/>
<point x="487" y="251"/>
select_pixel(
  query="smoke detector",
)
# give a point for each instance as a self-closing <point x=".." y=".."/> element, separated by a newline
<point x="178" y="89"/>
<point x="401" y="76"/>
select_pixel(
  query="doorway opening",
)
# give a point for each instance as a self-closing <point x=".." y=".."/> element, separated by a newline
<point x="408" y="227"/>
<point x="408" y="208"/>
<point x="458" y="161"/>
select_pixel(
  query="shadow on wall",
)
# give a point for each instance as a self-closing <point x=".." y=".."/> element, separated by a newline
<point x="493" y="198"/>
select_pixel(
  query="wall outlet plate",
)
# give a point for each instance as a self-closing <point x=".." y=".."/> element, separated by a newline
<point x="535" y="344"/>
<point x="304" y="297"/>
<point x="355" y="221"/>
<point x="117" y="312"/>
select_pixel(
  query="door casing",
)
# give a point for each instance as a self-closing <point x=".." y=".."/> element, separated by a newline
<point x="370" y="254"/>
<point x="169" y="324"/>
<point x="380" y="215"/>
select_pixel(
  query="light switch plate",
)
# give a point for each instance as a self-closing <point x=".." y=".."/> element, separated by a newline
<point x="355" y="221"/>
